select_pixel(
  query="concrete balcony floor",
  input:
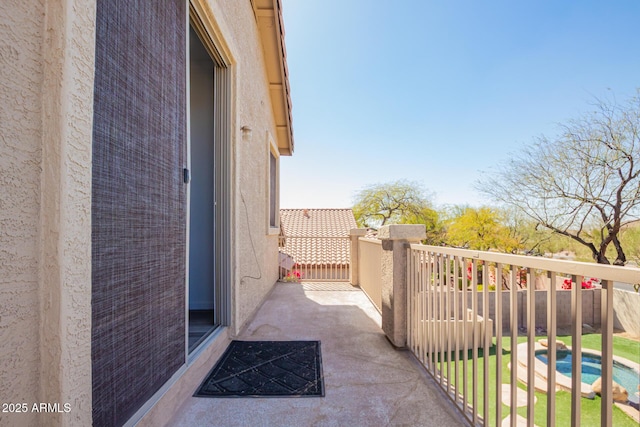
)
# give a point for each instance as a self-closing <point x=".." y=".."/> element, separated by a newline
<point x="367" y="381"/>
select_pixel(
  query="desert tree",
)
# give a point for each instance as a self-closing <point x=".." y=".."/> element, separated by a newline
<point x="586" y="179"/>
<point x="396" y="202"/>
<point x="481" y="229"/>
<point x="630" y="238"/>
<point x="435" y="232"/>
<point x="530" y="237"/>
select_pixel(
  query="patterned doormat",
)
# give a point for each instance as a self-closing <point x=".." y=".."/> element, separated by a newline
<point x="266" y="369"/>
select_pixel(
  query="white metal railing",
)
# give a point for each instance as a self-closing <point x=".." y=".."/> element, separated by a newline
<point x="443" y="302"/>
<point x="370" y="262"/>
<point x="312" y="258"/>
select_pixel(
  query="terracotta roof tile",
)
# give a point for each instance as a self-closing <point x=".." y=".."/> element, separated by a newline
<point x="317" y="222"/>
<point x="311" y="235"/>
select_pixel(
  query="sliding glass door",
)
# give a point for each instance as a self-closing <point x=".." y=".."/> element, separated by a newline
<point x="209" y="193"/>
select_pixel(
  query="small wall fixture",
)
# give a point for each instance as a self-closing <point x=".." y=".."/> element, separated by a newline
<point x="246" y="133"/>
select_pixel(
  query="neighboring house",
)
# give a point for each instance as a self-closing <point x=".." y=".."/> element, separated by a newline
<point x="139" y="194"/>
<point x="315" y="242"/>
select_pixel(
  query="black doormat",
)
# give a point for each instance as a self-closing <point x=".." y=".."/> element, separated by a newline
<point x="266" y="369"/>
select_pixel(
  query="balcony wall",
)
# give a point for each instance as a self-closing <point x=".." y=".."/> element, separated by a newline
<point x="625" y="307"/>
<point x="370" y="262"/>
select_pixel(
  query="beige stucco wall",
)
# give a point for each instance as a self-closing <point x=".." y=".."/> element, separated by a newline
<point x="46" y="109"/>
<point x="625" y="308"/>
<point x="46" y="104"/>
<point x="256" y="250"/>
<point x="21" y="68"/>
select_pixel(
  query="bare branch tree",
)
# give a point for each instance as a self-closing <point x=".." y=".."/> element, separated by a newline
<point x="587" y="178"/>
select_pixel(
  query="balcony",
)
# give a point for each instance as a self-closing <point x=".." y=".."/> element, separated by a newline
<point x="425" y="338"/>
<point x="367" y="381"/>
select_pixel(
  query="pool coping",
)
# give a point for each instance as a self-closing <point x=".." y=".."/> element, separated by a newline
<point x="562" y="381"/>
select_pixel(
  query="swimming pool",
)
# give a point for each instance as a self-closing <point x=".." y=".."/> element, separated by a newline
<point x="592" y="369"/>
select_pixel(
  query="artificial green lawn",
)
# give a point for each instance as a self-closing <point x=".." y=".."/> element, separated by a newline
<point x="590" y="409"/>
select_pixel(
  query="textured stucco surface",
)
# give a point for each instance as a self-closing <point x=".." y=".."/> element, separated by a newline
<point x="21" y="68"/>
<point x="66" y="209"/>
<point x="46" y="98"/>
<point x="256" y="251"/>
<point x="393" y="277"/>
<point x="46" y="53"/>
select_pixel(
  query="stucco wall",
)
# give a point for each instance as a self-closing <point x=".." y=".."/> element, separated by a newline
<point x="47" y="65"/>
<point x="625" y="308"/>
<point x="21" y="66"/>
<point x="256" y="251"/>
<point x="46" y="57"/>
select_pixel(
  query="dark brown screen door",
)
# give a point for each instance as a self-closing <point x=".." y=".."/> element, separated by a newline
<point x="138" y="203"/>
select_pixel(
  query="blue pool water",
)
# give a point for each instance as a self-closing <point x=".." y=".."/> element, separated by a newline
<point x="592" y="369"/>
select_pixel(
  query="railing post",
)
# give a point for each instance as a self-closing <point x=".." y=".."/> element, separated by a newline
<point x="394" y="278"/>
<point x="606" y="313"/>
<point x="354" y="267"/>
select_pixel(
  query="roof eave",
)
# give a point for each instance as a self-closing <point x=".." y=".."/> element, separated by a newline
<point x="270" y="24"/>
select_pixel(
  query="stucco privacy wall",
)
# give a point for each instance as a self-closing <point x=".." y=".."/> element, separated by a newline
<point x="625" y="311"/>
<point x="256" y="251"/>
<point x="46" y="98"/>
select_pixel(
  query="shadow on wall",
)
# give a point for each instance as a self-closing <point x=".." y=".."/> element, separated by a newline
<point x="625" y="311"/>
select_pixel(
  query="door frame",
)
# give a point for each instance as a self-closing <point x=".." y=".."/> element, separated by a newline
<point x="200" y="19"/>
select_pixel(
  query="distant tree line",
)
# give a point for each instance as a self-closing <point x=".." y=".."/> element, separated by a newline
<point x="578" y="192"/>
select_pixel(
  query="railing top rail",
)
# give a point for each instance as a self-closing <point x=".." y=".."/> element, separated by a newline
<point x="601" y="271"/>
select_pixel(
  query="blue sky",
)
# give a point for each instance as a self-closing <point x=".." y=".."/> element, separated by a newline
<point x="440" y="92"/>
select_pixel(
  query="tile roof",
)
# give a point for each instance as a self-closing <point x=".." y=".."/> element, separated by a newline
<point x="317" y="236"/>
<point x="317" y="222"/>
